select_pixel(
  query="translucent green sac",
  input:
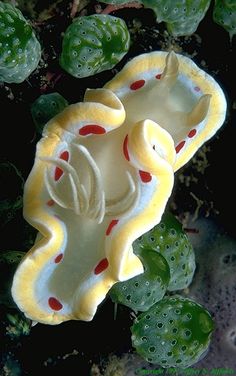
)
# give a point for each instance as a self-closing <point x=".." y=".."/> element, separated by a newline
<point x="174" y="332"/>
<point x="141" y="292"/>
<point x="92" y="44"/>
<point x="224" y="14"/>
<point x="170" y="240"/>
<point x="20" y="50"/>
<point x="45" y="107"/>
<point x="181" y="16"/>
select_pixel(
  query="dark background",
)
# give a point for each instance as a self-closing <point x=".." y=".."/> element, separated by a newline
<point x="95" y="340"/>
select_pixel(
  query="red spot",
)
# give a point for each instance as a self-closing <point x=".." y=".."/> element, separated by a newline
<point x="146" y="177"/>
<point x="64" y="155"/>
<point x="158" y="76"/>
<point x="111" y="225"/>
<point x="180" y="146"/>
<point x="125" y="148"/>
<point x="101" y="266"/>
<point x="137" y="84"/>
<point x="50" y="202"/>
<point x="54" y="304"/>
<point x="196" y="88"/>
<point x="192" y="133"/>
<point x="91" y="129"/>
<point x="58" y="258"/>
<point x="58" y="171"/>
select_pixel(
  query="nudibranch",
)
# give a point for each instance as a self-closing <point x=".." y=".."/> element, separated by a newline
<point x="103" y="173"/>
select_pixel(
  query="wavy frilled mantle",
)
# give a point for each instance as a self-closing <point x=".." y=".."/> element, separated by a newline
<point x="102" y="176"/>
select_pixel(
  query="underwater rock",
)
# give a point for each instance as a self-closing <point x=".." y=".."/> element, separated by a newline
<point x="214" y="286"/>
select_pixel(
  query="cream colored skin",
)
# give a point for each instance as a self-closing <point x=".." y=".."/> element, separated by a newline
<point x="114" y="186"/>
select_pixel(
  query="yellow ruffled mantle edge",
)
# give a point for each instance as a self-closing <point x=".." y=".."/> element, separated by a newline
<point x="133" y="70"/>
<point x="51" y="229"/>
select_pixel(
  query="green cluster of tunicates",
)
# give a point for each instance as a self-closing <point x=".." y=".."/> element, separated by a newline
<point x="20" y="51"/>
<point x="92" y="44"/>
<point x="174" y="332"/>
<point x="45" y="107"/>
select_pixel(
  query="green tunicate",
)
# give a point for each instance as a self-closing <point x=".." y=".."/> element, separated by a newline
<point x="182" y="17"/>
<point x="20" y="51"/>
<point x="144" y="290"/>
<point x="170" y="240"/>
<point x="46" y="107"/>
<point x="224" y="13"/>
<point x="174" y="332"/>
<point x="92" y="44"/>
